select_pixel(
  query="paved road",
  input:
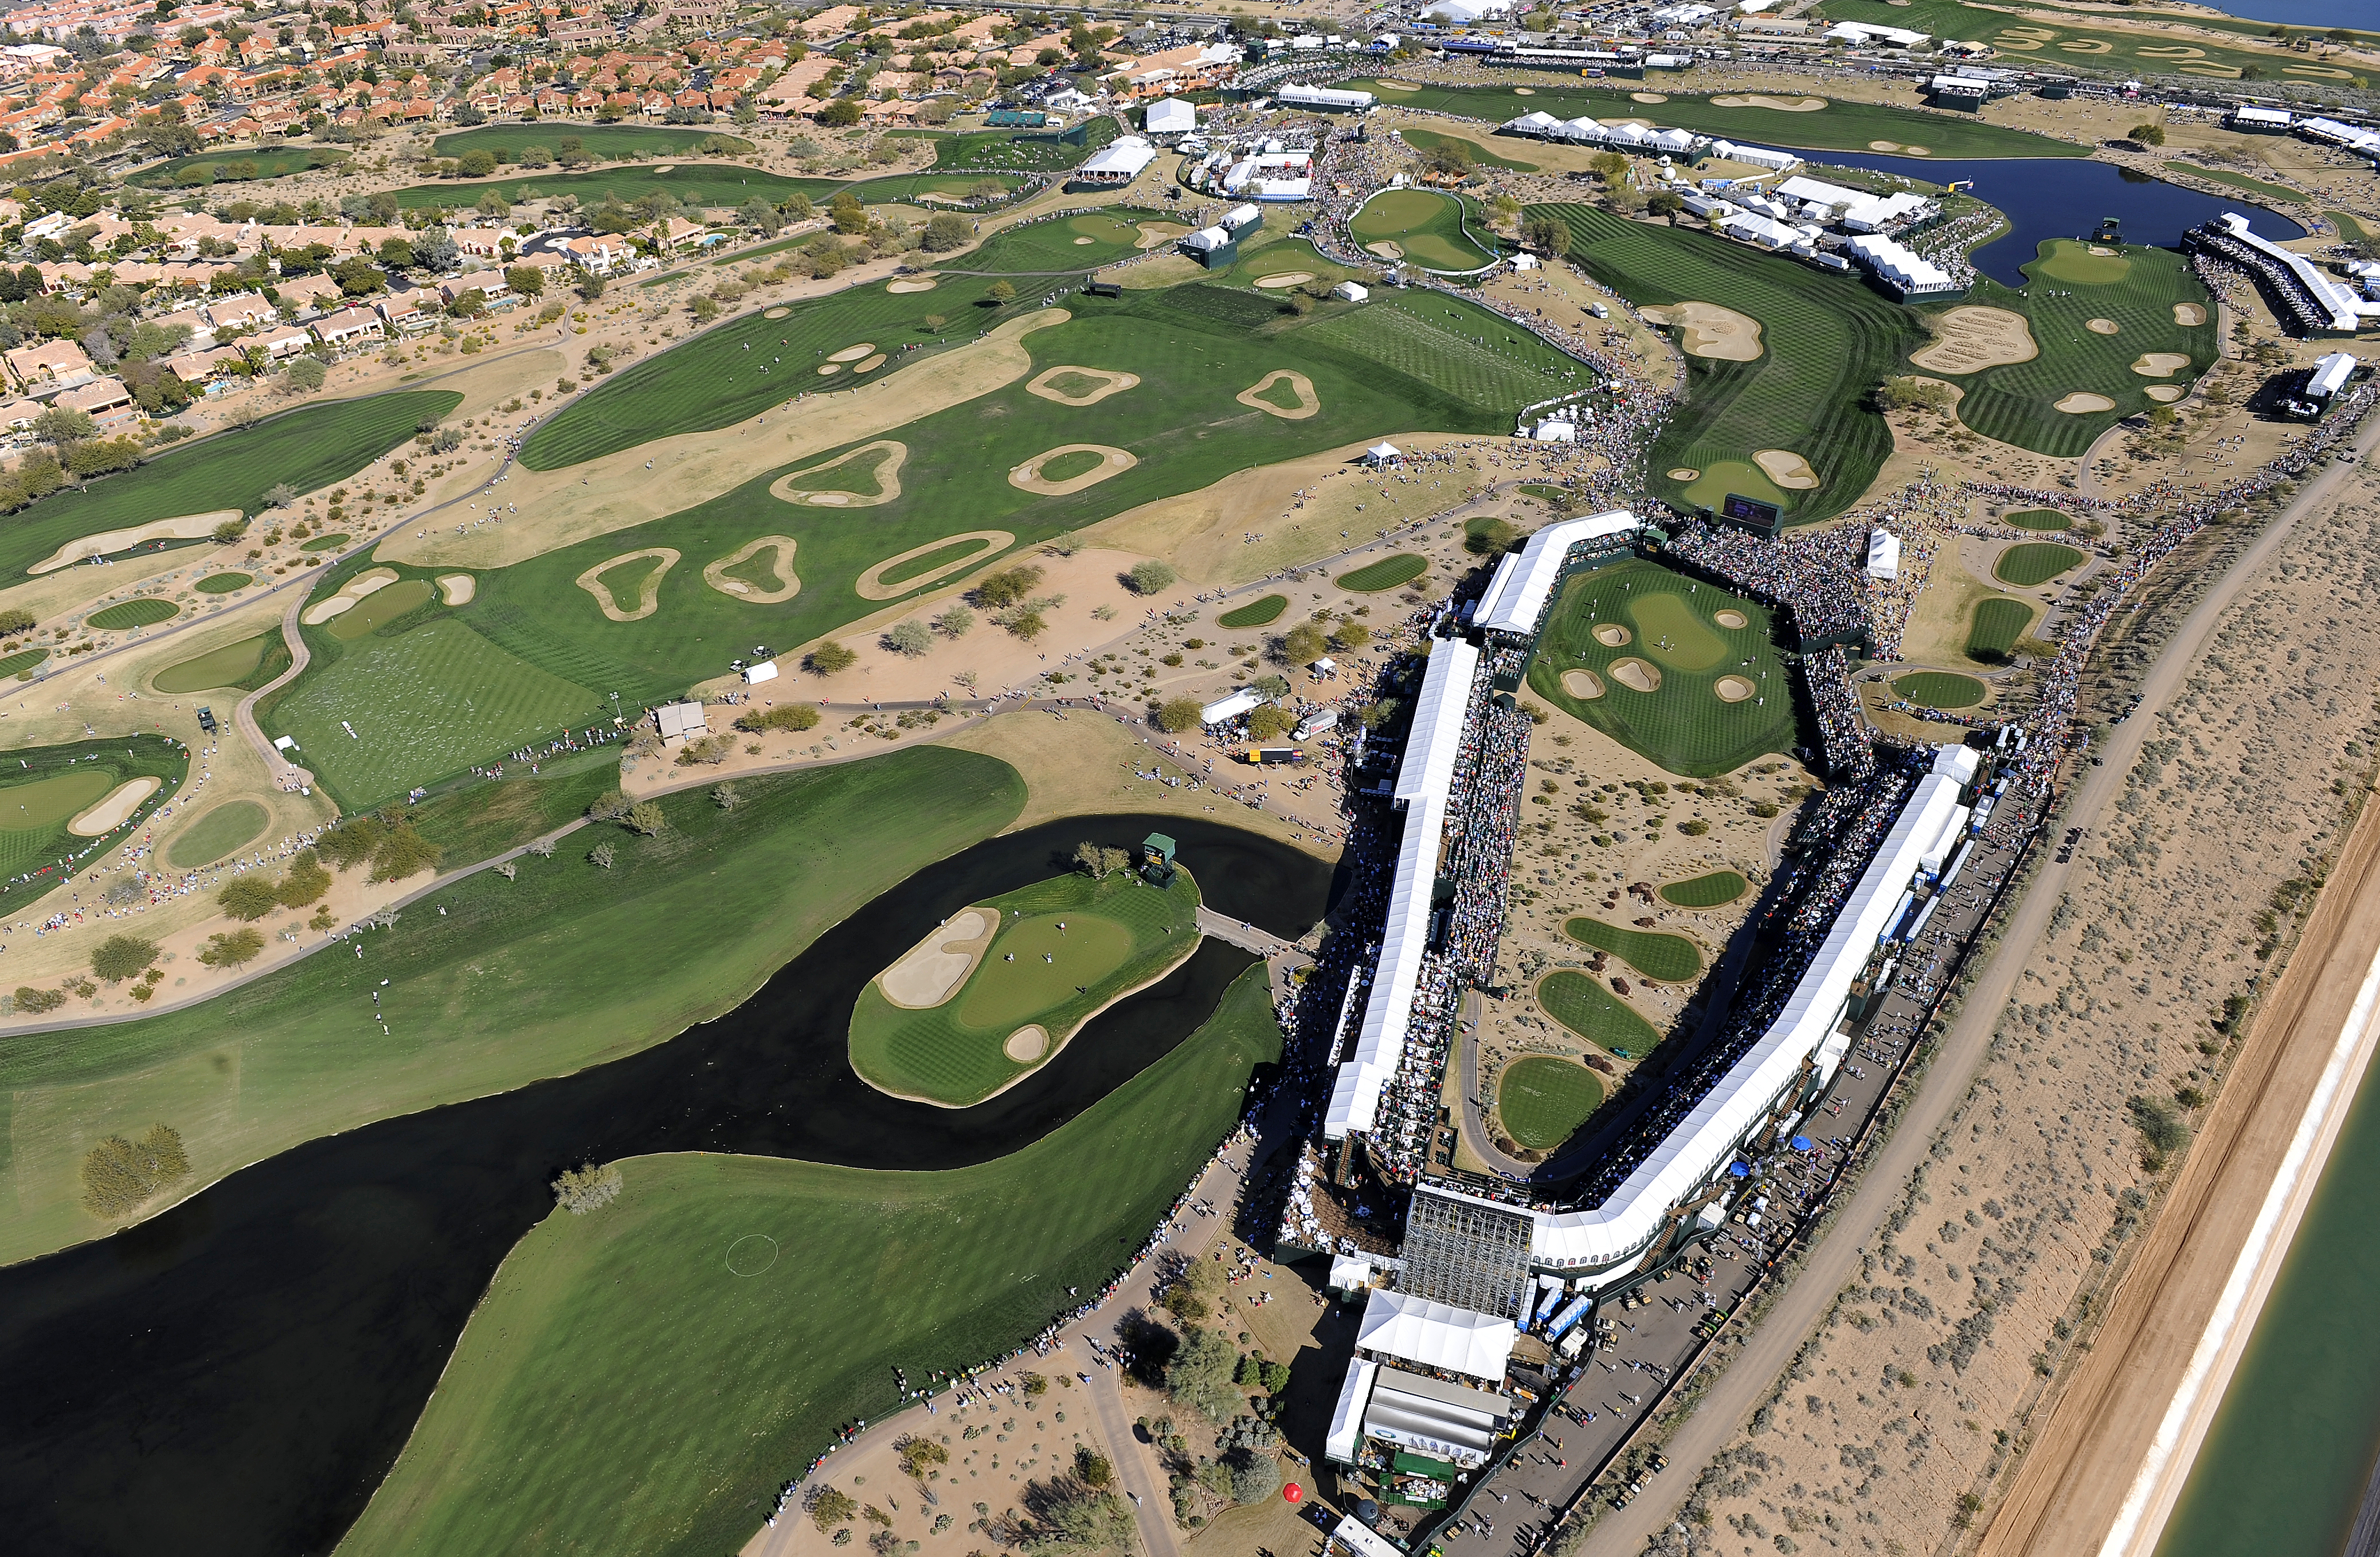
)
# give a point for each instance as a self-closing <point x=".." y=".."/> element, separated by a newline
<point x="1770" y="1349"/>
<point x="1152" y="1510"/>
<point x="285" y="773"/>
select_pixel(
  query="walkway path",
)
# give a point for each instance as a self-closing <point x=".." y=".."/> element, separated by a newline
<point x="1245" y="936"/>
<point x="287" y="773"/>
<point x="1770" y="1348"/>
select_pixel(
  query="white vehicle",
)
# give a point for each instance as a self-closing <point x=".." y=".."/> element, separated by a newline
<point x="1598" y="311"/>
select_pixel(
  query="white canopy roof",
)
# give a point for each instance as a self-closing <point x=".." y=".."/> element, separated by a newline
<point x="1518" y="595"/>
<point x="1347" y="1417"/>
<point x="1883" y="554"/>
<point x="1437" y="1336"/>
<point x="1380" y="452"/>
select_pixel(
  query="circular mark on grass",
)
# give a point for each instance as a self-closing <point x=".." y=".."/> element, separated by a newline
<point x="751" y="1253"/>
<point x="1027" y="1044"/>
<point x="1583" y="685"/>
<point x="1112" y="461"/>
<point x="1733" y="620"/>
<point x="1636" y="676"/>
<point x="872" y="584"/>
<point x="1734" y="689"/>
<point x="1611" y="634"/>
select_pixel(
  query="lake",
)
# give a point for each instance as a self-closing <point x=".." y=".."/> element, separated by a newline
<point x="2303" y="13"/>
<point x="235" y="1376"/>
<point x="2066" y="197"/>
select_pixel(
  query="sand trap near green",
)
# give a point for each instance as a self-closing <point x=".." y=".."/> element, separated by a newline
<point x="1063" y="951"/>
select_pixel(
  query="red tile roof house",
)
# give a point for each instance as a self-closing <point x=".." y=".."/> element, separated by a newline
<point x="106" y="401"/>
<point x="350" y="326"/>
<point x="50" y="367"/>
<point x="279" y="344"/>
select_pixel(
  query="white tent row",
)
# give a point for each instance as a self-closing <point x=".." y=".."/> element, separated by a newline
<point x="1435" y="1335"/>
<point x="1346" y="1435"/>
<point x="1585" y="131"/>
<point x="1703" y="1142"/>
<point x="2347" y="310"/>
<point x="2355" y="138"/>
<point x="1901" y="267"/>
<point x="1860" y="212"/>
<point x="1524" y="580"/>
<point x="1754" y="156"/>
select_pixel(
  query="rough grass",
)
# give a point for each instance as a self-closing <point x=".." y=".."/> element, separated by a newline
<point x="1830" y="340"/>
<point x="245" y="665"/>
<point x="1937" y="689"/>
<point x="599" y="141"/>
<point x="2049" y="38"/>
<point x="563" y="968"/>
<point x="1119" y="935"/>
<point x="1671" y="959"/>
<point x="1596" y="1013"/>
<point x="1256" y="614"/>
<point x="1542" y="1101"/>
<point x="307" y="448"/>
<point x="1706" y="892"/>
<point x="232" y="825"/>
<point x="2035" y="562"/>
<point x="2280" y="194"/>
<point x="1385" y="573"/>
<point x="1430" y="140"/>
<point x="1684" y="726"/>
<point x="584" y="1409"/>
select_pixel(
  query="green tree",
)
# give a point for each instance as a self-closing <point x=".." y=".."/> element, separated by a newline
<point x="829" y="1506"/>
<point x="1001" y="292"/>
<point x="846" y="214"/>
<point x="587" y="1187"/>
<point x="119" y="1175"/>
<point x="475" y="165"/>
<point x="843" y="112"/>
<point x="59" y="424"/>
<point x="830" y="657"/>
<point x="1151" y="576"/>
<point x="1270" y="723"/>
<point x="234" y="948"/>
<point x="1178" y="714"/>
<point x="303" y="376"/>
<point x="122" y="956"/>
<point x="1545" y="233"/>
<point x="1008" y="587"/>
<point x="1665" y="202"/>
<point x="792" y="716"/>
<point x="1200" y="1376"/>
<point x="1302" y="644"/>
<point x="1351" y="635"/>
<point x="909" y="638"/>
<point x="947" y="230"/>
<point x="2150" y="134"/>
<point x="645" y="817"/>
<point x="247" y="897"/>
<point x="529" y="281"/>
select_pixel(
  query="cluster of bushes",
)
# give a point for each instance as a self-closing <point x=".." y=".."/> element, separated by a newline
<point x="790" y="717"/>
<point x="119" y="1175"/>
<point x="251" y="897"/>
<point x="390" y="843"/>
<point x="587" y="1187"/>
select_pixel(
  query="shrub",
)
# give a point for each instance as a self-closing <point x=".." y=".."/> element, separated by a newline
<point x="793" y="716"/>
<point x="234" y="948"/>
<point x="726" y="797"/>
<point x="1302" y="644"/>
<point x="587" y="1188"/>
<point x="305" y="883"/>
<point x="713" y="750"/>
<point x="1177" y="715"/>
<point x="829" y="1506"/>
<point x="909" y="638"/>
<point x="947" y="230"/>
<point x="351" y="843"/>
<point x="645" y="817"/>
<point x="1151" y="576"/>
<point x="34" y="1001"/>
<point x="118" y="1174"/>
<point x="1200" y="1376"/>
<point x="919" y="1456"/>
<point x="828" y="658"/>
<point x="403" y="852"/>
<point x="1092" y="1468"/>
<point x="1254" y="1476"/>
<point x="247" y="897"/>
<point x="1270" y="723"/>
<point x="1008" y="587"/>
<point x="602" y="855"/>
<point x="122" y="956"/>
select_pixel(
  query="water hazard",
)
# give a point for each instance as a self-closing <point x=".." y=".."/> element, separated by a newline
<point x="238" y="1375"/>
<point x="2067" y="197"/>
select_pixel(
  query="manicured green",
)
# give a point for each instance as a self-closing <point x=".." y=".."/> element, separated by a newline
<point x="224" y="583"/>
<point x="1684" y="726"/>
<point x="2040" y="40"/>
<point x="307" y="448"/>
<point x="1425" y="225"/>
<point x="590" y="1405"/>
<point x="382" y="607"/>
<point x="1672" y="959"/>
<point x="2137" y="288"/>
<point x="2350" y="227"/>
<point x="325" y="544"/>
<point x="597" y="140"/>
<point x="1719" y="888"/>
<point x="1998" y="623"/>
<point x="1830" y="340"/>
<point x="1542" y="1100"/>
<point x="144" y="612"/>
<point x="1431" y="140"/>
<point x="1256" y="614"/>
<point x="52" y="784"/>
<point x="246" y="664"/>
<point x="2280" y="194"/>
<point x="565" y="966"/>
<point x="234" y="824"/>
<point x="1400" y="567"/>
<point x="1456" y="348"/>
<point x="1596" y="1013"/>
<point x="1939" y="689"/>
<point x="2035" y="562"/>
<point x="1839" y="126"/>
<point x="2041" y="518"/>
<point x="1119" y="933"/>
<point x="237" y="166"/>
<point x="22" y="663"/>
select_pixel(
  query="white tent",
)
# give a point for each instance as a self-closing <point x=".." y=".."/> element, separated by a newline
<point x="1436" y="1335"/>
<point x="1382" y="454"/>
<point x="1883" y="554"/>
<point x="1172" y="116"/>
<point x="1238" y="703"/>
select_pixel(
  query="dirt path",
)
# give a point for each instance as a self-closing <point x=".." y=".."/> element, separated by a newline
<point x="2116" y="1447"/>
<point x="1770" y="1348"/>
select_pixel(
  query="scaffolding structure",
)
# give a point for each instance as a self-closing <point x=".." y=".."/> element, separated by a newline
<point x="1460" y="1251"/>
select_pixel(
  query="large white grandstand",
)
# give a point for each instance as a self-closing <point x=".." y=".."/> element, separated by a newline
<point x="1524" y="581"/>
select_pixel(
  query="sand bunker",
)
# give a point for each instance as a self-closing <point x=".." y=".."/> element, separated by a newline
<point x="456" y="589"/>
<point x="1685" y="473"/>
<point x="932" y="970"/>
<point x="828" y="370"/>
<point x="2166" y="394"/>
<point x="1113" y="461"/>
<point x="776" y="313"/>
<point x="1583" y="685"/>
<point x="1734" y="689"/>
<point x="186" y="526"/>
<point x="1103" y="384"/>
<point x="2103" y="252"/>
<point x="649" y="593"/>
<point x="109" y="814"/>
<point x="1708" y="330"/>
<point x="2082" y="401"/>
<point x="1153" y="234"/>
<point x="1385" y="250"/>
<point x="1611" y="634"/>
<point x="1308" y="402"/>
<point x="787" y="586"/>
<point x="1286" y="278"/>
<point x="2160" y="364"/>
<point x="872" y="364"/>
<point x="1026" y="1044"/>
<point x="1782" y="104"/>
<point x="1883" y="145"/>
<point x="852" y="353"/>
<point x="888" y="479"/>
<point x="1082" y="241"/>
<point x="1648" y="97"/>
<point x="912" y="283"/>
<point x="1786" y="469"/>
<point x="871" y="585"/>
<point x="1637" y="674"/>
<point x="1733" y="619"/>
<point x="1972" y="338"/>
<point x="362" y="584"/>
<point x="2102" y="326"/>
<point x="2189" y="313"/>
